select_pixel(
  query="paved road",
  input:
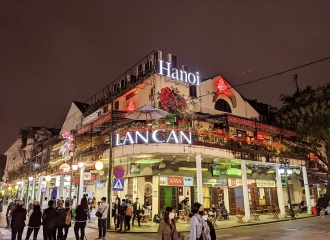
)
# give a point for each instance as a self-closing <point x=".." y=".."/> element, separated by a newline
<point x="304" y="229"/>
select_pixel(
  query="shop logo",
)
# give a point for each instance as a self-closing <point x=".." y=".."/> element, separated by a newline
<point x="175" y="181"/>
<point x="175" y="74"/>
<point x="155" y="136"/>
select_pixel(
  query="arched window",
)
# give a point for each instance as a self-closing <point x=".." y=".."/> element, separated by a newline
<point x="222" y="105"/>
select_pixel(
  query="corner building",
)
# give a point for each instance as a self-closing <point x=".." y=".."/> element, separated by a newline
<point x="240" y="152"/>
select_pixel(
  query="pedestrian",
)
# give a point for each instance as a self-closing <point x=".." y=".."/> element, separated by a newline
<point x="49" y="221"/>
<point x="102" y="221"/>
<point x="9" y="212"/>
<point x="81" y="218"/>
<point x="68" y="219"/>
<point x="147" y="211"/>
<point x="128" y="213"/>
<point x="18" y="221"/>
<point x="167" y="229"/>
<point x="60" y="220"/>
<point x="74" y="206"/>
<point x="44" y="204"/>
<point x="122" y="214"/>
<point x="213" y="236"/>
<point x="34" y="222"/>
<point x="137" y="212"/>
<point x="199" y="230"/>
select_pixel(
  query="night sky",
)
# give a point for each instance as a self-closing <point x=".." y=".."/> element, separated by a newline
<point x="54" y="52"/>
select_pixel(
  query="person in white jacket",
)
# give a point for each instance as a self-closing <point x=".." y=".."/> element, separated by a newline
<point x="198" y="227"/>
<point x="102" y="221"/>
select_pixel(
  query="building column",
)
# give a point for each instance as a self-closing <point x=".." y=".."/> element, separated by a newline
<point x="245" y="192"/>
<point x="199" y="178"/>
<point x="33" y="188"/>
<point x="39" y="189"/>
<point x="307" y="193"/>
<point x="155" y="194"/>
<point x="61" y="186"/>
<point x="81" y="183"/>
<point x="47" y="190"/>
<point x="280" y="196"/>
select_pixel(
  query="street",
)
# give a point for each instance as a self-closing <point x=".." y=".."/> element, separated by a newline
<point x="307" y="228"/>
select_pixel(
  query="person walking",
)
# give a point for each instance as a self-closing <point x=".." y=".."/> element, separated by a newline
<point x="60" y="220"/>
<point x="10" y="209"/>
<point x="128" y="213"/>
<point x="18" y="221"/>
<point x="34" y="221"/>
<point x="213" y="235"/>
<point x="68" y="219"/>
<point x="167" y="229"/>
<point x="122" y="214"/>
<point x="136" y="212"/>
<point x="198" y="228"/>
<point x="81" y="218"/>
<point x="49" y="222"/>
<point x="102" y="221"/>
<point x="44" y="204"/>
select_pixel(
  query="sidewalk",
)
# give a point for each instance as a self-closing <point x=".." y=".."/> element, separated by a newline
<point x="183" y="226"/>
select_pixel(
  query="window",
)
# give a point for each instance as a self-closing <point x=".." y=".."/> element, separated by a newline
<point x="222" y="105"/>
<point x="193" y="91"/>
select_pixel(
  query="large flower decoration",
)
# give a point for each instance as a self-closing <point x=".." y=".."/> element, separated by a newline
<point x="171" y="100"/>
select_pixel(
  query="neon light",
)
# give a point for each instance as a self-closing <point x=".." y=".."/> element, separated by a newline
<point x="221" y="85"/>
<point x="192" y="79"/>
<point x="131" y="106"/>
<point x="157" y="136"/>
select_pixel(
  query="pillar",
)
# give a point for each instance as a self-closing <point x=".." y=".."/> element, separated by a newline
<point x="245" y="192"/>
<point x="33" y="189"/>
<point x="47" y="190"/>
<point x="280" y="196"/>
<point x="199" y="178"/>
<point x="155" y="194"/>
<point x="307" y="193"/>
<point x="81" y="184"/>
<point x="61" y="186"/>
<point x="39" y="189"/>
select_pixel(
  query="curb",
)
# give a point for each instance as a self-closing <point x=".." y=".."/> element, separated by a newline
<point x="235" y="226"/>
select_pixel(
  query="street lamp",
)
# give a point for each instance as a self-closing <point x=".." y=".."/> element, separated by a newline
<point x="285" y="166"/>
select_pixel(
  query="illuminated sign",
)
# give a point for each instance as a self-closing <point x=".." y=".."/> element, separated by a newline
<point x="175" y="74"/>
<point x="154" y="136"/>
<point x="221" y="85"/>
<point x="131" y="106"/>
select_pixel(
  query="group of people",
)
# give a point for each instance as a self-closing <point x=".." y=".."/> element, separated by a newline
<point x="127" y="210"/>
<point x="55" y="218"/>
<point x="200" y="227"/>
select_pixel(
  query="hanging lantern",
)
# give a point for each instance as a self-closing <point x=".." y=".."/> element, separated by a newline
<point x="99" y="165"/>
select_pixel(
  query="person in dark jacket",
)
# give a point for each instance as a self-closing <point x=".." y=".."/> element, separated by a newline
<point x="81" y="218"/>
<point x="34" y="222"/>
<point x="122" y="214"/>
<point x="60" y="220"/>
<point x="9" y="212"/>
<point x="18" y="221"/>
<point x="67" y="224"/>
<point x="49" y="221"/>
<point x="212" y="231"/>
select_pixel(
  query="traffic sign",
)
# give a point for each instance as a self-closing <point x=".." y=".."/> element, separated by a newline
<point x="118" y="184"/>
<point x="118" y="172"/>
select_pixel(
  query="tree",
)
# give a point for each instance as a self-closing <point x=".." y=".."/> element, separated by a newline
<point x="307" y="112"/>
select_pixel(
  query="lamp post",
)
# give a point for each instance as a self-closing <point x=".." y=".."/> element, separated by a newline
<point x="81" y="166"/>
<point x="285" y="165"/>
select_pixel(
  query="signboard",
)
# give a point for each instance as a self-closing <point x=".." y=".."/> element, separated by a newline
<point x="165" y="69"/>
<point x="266" y="183"/>
<point x="94" y="124"/>
<point x="176" y="181"/>
<point x="118" y="184"/>
<point x="236" y="182"/>
<point x="87" y="176"/>
<point x="268" y="128"/>
<point x="64" y="168"/>
<point x="154" y="136"/>
<point x="216" y="181"/>
<point x="241" y="121"/>
<point x="118" y="172"/>
<point x="260" y="136"/>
